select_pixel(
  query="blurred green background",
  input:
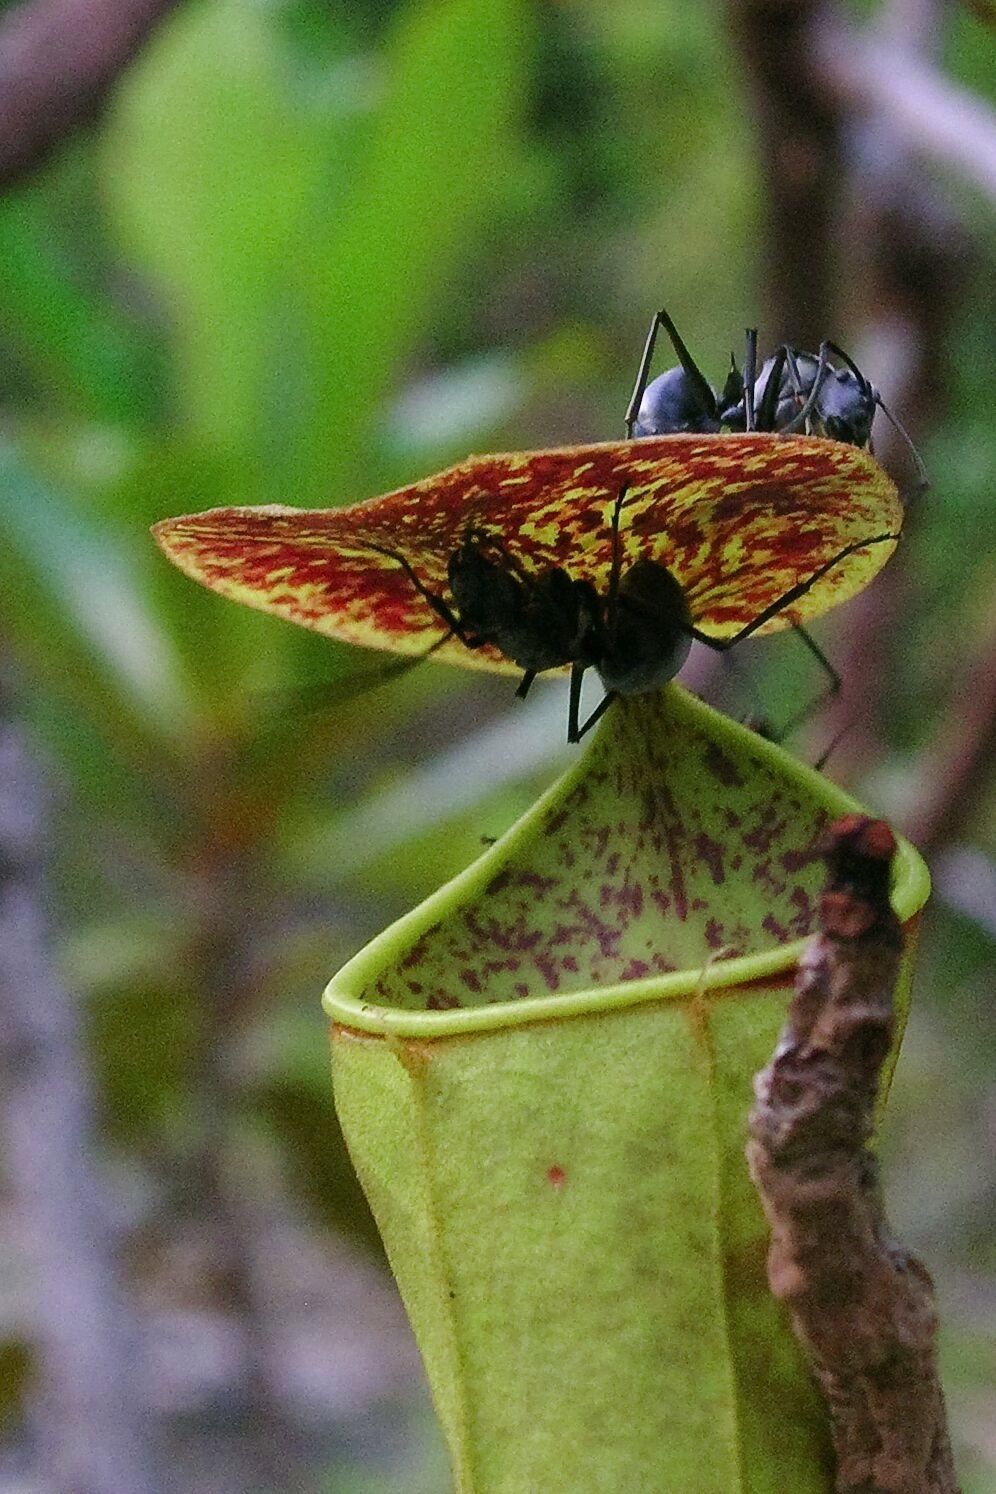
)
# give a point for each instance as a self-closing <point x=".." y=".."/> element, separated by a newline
<point x="310" y="252"/>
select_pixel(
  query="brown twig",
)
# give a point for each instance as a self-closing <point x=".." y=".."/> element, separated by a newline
<point x="799" y="158"/>
<point x="931" y="116"/>
<point x="91" y="1432"/>
<point x="58" y="60"/>
<point x="862" y="1308"/>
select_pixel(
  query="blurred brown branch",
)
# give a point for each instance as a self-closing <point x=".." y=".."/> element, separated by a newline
<point x="90" y="1431"/>
<point x="862" y="1308"/>
<point x="958" y="766"/>
<point x="865" y="219"/>
<point x="930" y="115"/>
<point x="799" y="159"/>
<point x="58" y="60"/>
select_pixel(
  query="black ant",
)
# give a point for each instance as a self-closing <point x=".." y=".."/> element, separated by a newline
<point x="794" y="391"/>
<point x="636" y="639"/>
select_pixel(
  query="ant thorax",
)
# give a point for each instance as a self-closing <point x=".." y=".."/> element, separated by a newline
<point x="540" y="622"/>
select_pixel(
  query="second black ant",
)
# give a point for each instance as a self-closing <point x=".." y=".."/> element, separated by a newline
<point x="793" y="391"/>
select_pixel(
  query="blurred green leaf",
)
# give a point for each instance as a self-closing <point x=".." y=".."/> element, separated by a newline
<point x="368" y="275"/>
<point x="67" y="592"/>
<point x="77" y="345"/>
<point x="319" y="1166"/>
<point x="207" y="167"/>
<point x="144" y="1039"/>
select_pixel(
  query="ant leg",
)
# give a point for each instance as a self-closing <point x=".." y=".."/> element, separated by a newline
<point x="787" y="598"/>
<point x="698" y="378"/>
<point x="922" y="480"/>
<point x="438" y="604"/>
<point x="596" y="715"/>
<point x="768" y="407"/>
<point x="838" y="352"/>
<point x="750" y="376"/>
<point x="525" y="683"/>
<point x="801" y="419"/>
<point x="795" y="379"/>
<point x="616" y="568"/>
<point x="733" y="399"/>
<point x="831" y="689"/>
<point x="834" y="682"/>
<point x="832" y="746"/>
<point x="573" y="726"/>
<point x="639" y="388"/>
<point x="315" y="697"/>
<point x="482" y="538"/>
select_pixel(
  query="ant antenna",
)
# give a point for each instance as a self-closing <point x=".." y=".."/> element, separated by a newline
<point x="923" y="481"/>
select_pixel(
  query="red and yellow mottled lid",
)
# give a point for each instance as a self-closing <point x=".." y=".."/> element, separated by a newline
<point x="739" y="519"/>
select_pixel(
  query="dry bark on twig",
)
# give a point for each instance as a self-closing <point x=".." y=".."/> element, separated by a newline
<point x="58" y="59"/>
<point x="862" y="1308"/>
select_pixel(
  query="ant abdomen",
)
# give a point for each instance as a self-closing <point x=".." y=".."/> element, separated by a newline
<point x="649" y="635"/>
<point x="539" y="621"/>
<point x="674" y="403"/>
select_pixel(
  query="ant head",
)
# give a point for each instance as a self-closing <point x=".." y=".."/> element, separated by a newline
<point x="847" y="407"/>
<point x="847" y="401"/>
<point x="675" y="402"/>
